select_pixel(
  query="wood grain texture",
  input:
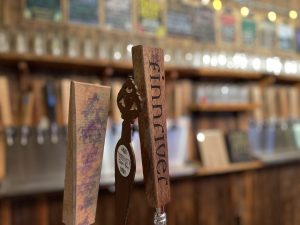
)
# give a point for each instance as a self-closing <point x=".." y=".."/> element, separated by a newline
<point x="149" y="76"/>
<point x="88" y="114"/>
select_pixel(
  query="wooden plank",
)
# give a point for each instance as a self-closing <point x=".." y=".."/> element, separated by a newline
<point x="223" y="107"/>
<point x="149" y="76"/>
<point x="230" y="168"/>
<point x="88" y="114"/>
<point x="63" y="61"/>
<point x="215" y="73"/>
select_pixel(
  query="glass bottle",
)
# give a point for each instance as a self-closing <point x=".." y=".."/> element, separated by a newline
<point x="21" y="41"/>
<point x="39" y="43"/>
<point x="4" y="39"/>
<point x="103" y="46"/>
<point x="88" y="46"/>
<point x="72" y="45"/>
<point x="56" y="43"/>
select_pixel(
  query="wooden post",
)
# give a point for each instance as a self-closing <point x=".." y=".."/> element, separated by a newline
<point x="149" y="76"/>
<point x="88" y="113"/>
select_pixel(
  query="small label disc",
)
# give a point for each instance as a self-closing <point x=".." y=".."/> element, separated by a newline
<point x="123" y="161"/>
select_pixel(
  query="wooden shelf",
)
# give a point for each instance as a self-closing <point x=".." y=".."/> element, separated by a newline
<point x="63" y="62"/>
<point x="287" y="79"/>
<point x="233" y="167"/>
<point x="126" y="67"/>
<point x="215" y="73"/>
<point x="223" y="107"/>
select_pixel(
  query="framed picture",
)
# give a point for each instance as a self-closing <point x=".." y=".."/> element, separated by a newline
<point x="248" y="28"/>
<point x="118" y="14"/>
<point x="150" y="17"/>
<point x="286" y="35"/>
<point x="179" y="18"/>
<point x="204" y="24"/>
<point x="43" y="10"/>
<point x="228" y="26"/>
<point x="83" y="11"/>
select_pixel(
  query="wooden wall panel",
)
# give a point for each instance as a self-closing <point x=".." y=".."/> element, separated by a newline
<point x="289" y="195"/>
<point x="214" y="202"/>
<point x="269" y="196"/>
<point x="55" y="209"/>
<point x="266" y="201"/>
<point x="23" y="211"/>
<point x="182" y="209"/>
<point x="105" y="209"/>
<point x="139" y="211"/>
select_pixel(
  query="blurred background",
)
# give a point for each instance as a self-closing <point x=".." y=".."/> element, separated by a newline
<point x="233" y="81"/>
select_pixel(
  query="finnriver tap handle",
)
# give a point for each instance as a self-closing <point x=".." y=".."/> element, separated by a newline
<point x="149" y="76"/>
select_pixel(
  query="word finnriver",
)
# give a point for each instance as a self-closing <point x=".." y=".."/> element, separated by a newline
<point x="158" y="122"/>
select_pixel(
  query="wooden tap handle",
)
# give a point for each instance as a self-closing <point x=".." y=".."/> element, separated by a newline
<point x="115" y="112"/>
<point x="27" y="109"/>
<point x="88" y="114"/>
<point x="149" y="76"/>
<point x="51" y="101"/>
<point x="283" y="106"/>
<point x="6" y="112"/>
<point x="39" y="101"/>
<point x="65" y="95"/>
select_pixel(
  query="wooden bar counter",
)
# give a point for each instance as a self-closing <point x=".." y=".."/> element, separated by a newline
<point x="249" y="195"/>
